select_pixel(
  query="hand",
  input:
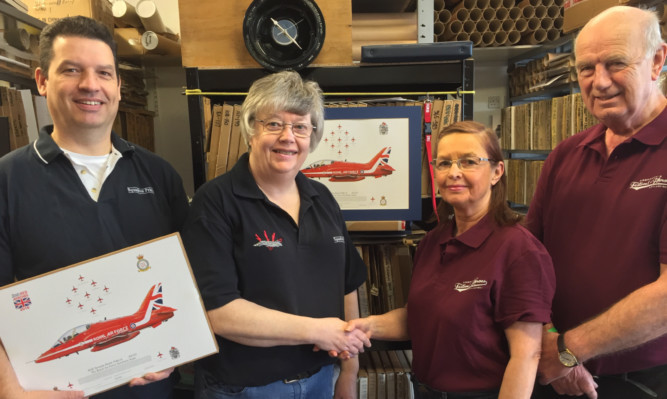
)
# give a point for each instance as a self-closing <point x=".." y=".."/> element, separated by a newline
<point x="346" y="385"/>
<point x="151" y="377"/>
<point x="286" y="33"/>
<point x="577" y="383"/>
<point x="335" y="338"/>
<point x="52" y="395"/>
<point x="550" y="368"/>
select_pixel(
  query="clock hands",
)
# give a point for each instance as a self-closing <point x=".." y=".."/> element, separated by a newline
<point x="284" y="31"/>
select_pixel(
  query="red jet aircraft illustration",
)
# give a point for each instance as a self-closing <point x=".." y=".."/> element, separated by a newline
<point x="351" y="171"/>
<point x="107" y="333"/>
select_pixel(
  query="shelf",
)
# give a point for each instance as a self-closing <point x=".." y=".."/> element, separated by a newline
<point x="532" y="155"/>
<point x="550" y="92"/>
<point x="563" y="45"/>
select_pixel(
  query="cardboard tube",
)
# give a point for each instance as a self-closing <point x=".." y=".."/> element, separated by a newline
<point x="476" y="38"/>
<point x="547" y="23"/>
<point x="452" y="29"/>
<point x="553" y="34"/>
<point x="445" y="16"/>
<point x="559" y="3"/>
<point x="502" y="13"/>
<point x="495" y="25"/>
<point x="495" y="3"/>
<point x="533" y="24"/>
<point x="553" y="11"/>
<point x="465" y="4"/>
<point x="482" y="4"/>
<point x="438" y="28"/>
<point x="439" y="5"/>
<point x="461" y="14"/>
<point x="150" y="18"/>
<point x="463" y="36"/>
<point x="508" y="3"/>
<point x="513" y="37"/>
<point x="500" y="39"/>
<point x="18" y="38"/>
<point x="380" y="19"/>
<point x="482" y="26"/>
<point x="525" y="3"/>
<point x="547" y="3"/>
<point x="469" y="26"/>
<point x="475" y="14"/>
<point x="515" y="13"/>
<point x="521" y="25"/>
<point x="508" y="25"/>
<point x="558" y="23"/>
<point x="535" y="37"/>
<point x="398" y="32"/>
<point x="158" y="44"/>
<point x="451" y="3"/>
<point x="489" y="13"/>
<point x="487" y="38"/>
<point x="540" y="12"/>
<point x="129" y="42"/>
<point x="125" y="14"/>
<point x="528" y="12"/>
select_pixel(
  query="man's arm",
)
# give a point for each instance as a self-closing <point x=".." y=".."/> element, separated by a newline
<point x="638" y="318"/>
<point x="250" y="324"/>
<point x="11" y="389"/>
<point x="346" y="385"/>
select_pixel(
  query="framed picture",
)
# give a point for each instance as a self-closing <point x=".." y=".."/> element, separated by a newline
<point x="98" y="324"/>
<point x="370" y="159"/>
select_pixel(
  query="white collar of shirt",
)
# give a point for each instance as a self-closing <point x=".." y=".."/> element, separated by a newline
<point x="93" y="170"/>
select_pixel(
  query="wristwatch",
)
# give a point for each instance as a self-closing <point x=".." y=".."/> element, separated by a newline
<point x="566" y="357"/>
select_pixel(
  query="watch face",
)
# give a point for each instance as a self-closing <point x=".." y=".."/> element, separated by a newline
<point x="567" y="359"/>
<point x="283" y="35"/>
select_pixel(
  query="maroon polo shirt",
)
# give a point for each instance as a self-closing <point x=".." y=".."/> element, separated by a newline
<point x="604" y="222"/>
<point x="465" y="292"/>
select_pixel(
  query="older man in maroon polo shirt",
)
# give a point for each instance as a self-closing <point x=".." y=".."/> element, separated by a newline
<point x="600" y="210"/>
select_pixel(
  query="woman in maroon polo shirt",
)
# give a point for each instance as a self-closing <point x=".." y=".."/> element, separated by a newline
<point x="481" y="286"/>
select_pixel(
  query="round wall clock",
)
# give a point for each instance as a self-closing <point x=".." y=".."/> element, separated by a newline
<point x="283" y="35"/>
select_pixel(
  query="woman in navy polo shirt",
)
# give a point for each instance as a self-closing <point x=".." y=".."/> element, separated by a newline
<point x="481" y="287"/>
<point x="275" y="266"/>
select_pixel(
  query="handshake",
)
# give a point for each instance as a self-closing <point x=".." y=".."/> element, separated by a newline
<point x="342" y="339"/>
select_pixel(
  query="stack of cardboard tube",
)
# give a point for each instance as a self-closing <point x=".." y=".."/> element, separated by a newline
<point x="141" y="30"/>
<point x="498" y="22"/>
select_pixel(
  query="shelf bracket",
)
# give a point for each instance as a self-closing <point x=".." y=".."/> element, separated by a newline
<point x="425" y="21"/>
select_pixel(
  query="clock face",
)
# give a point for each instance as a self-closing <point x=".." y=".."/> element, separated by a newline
<point x="567" y="359"/>
<point x="283" y="35"/>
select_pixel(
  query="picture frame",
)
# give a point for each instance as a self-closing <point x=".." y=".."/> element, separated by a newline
<point x="370" y="159"/>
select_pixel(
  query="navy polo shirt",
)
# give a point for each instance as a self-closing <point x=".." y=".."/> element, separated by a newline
<point x="241" y="245"/>
<point x="50" y="221"/>
<point x="465" y="291"/>
<point x="604" y="222"/>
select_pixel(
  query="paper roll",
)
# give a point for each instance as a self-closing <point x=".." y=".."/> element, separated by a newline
<point x="18" y="38"/>
<point x="398" y="32"/>
<point x="125" y="14"/>
<point x="150" y="17"/>
<point x="158" y="44"/>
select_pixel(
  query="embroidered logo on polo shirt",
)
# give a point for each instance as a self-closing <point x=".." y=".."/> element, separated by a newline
<point x="269" y="243"/>
<point x="339" y="240"/>
<point x="140" y="190"/>
<point x="651" y="182"/>
<point x="475" y="284"/>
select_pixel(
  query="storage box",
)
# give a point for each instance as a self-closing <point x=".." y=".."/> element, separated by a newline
<point x="212" y="34"/>
<point x="579" y="12"/>
<point x="51" y="10"/>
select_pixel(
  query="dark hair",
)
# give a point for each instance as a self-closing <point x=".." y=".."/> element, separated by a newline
<point x="498" y="208"/>
<point x="77" y="26"/>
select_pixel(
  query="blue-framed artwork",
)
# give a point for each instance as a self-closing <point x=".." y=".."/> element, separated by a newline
<point x="370" y="159"/>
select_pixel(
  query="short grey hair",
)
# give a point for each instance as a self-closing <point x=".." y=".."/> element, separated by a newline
<point x="284" y="91"/>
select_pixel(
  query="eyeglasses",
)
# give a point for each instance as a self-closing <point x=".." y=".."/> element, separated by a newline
<point x="274" y="126"/>
<point x="467" y="163"/>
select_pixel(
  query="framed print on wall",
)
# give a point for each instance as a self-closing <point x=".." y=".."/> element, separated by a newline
<point x="370" y="159"/>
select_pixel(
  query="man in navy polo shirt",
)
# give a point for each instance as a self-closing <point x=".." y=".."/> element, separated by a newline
<point x="79" y="190"/>
<point x="600" y="210"/>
